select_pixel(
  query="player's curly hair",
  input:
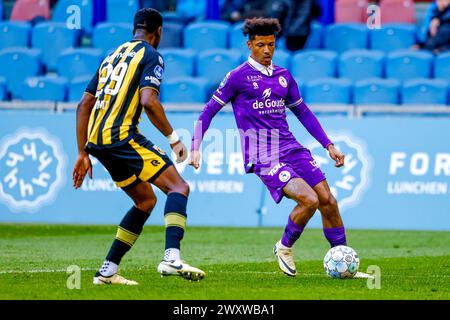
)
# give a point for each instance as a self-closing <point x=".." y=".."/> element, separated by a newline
<point x="148" y="19"/>
<point x="261" y="27"/>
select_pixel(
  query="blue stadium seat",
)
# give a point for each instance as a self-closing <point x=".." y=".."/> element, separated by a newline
<point x="360" y="64"/>
<point x="424" y="91"/>
<point x="237" y="39"/>
<point x="404" y="64"/>
<point x="14" y="34"/>
<point x="309" y="65"/>
<point x="206" y="35"/>
<point x="108" y="36"/>
<point x="43" y="89"/>
<point x="184" y="90"/>
<point x="282" y="58"/>
<point x="345" y="36"/>
<point x="315" y="38"/>
<point x="2" y="89"/>
<point x="74" y="63"/>
<point x="214" y="64"/>
<point x="328" y="90"/>
<point x="22" y="63"/>
<point x="392" y="37"/>
<point x="86" y="13"/>
<point x="52" y="38"/>
<point x="171" y="16"/>
<point x="178" y="62"/>
<point x="77" y="87"/>
<point x="121" y="10"/>
<point x="376" y="91"/>
<point x="172" y="35"/>
<point x="442" y="66"/>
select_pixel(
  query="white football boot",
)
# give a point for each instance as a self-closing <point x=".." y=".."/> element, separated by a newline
<point x="180" y="268"/>
<point x="114" y="279"/>
<point x="285" y="258"/>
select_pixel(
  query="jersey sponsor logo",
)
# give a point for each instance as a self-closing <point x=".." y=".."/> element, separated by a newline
<point x="284" y="176"/>
<point x="314" y="164"/>
<point x="153" y="80"/>
<point x="348" y="183"/>
<point x="158" y="72"/>
<point x="155" y="163"/>
<point x="275" y="168"/>
<point x="31" y="169"/>
<point x="282" y="81"/>
<point x="267" y="93"/>
<point x="267" y="102"/>
<point x="161" y="61"/>
<point x="253" y="78"/>
<point x="224" y="81"/>
<point x="120" y="55"/>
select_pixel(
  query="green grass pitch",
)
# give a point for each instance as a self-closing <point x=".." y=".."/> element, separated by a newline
<point x="238" y="261"/>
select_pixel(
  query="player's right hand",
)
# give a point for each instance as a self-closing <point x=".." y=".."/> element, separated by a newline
<point x="195" y="159"/>
<point x="82" y="166"/>
<point x="180" y="151"/>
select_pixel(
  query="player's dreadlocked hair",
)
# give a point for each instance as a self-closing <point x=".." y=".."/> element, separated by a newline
<point x="261" y="27"/>
<point x="148" y="19"/>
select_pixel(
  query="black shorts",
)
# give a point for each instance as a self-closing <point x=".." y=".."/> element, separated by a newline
<point x="131" y="162"/>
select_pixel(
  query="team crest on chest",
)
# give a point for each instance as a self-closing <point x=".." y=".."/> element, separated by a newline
<point x="282" y="81"/>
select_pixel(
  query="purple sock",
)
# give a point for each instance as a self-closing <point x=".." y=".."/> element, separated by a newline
<point x="291" y="233"/>
<point x="335" y="236"/>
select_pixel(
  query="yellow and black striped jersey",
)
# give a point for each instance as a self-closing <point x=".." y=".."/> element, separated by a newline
<point x="133" y="66"/>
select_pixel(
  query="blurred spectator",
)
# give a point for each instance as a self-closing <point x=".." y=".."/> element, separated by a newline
<point x="31" y="10"/>
<point x="422" y="33"/>
<point x="297" y="25"/>
<point x="438" y="33"/>
<point x="161" y="6"/>
<point x="191" y="10"/>
<point x="237" y="10"/>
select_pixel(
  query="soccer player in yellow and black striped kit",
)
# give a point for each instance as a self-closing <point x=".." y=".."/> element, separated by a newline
<point x="126" y="83"/>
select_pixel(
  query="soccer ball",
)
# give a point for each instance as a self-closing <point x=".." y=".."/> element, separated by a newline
<point x="341" y="262"/>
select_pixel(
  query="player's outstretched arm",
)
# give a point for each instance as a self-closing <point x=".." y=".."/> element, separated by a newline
<point x="202" y="125"/>
<point x="310" y="122"/>
<point x="83" y="163"/>
<point x="155" y="112"/>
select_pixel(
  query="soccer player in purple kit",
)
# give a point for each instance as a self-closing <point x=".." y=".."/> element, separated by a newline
<point x="260" y="92"/>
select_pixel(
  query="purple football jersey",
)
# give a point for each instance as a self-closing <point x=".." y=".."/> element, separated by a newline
<point x="259" y="103"/>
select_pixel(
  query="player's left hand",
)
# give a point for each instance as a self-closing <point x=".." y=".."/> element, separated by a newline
<point x="82" y="166"/>
<point x="180" y="151"/>
<point x="336" y="155"/>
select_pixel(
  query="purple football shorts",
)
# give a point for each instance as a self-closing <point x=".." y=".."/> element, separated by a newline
<point x="295" y="163"/>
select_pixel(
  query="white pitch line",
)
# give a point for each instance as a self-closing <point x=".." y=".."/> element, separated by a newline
<point x="218" y="271"/>
<point x="324" y="275"/>
<point x="41" y="271"/>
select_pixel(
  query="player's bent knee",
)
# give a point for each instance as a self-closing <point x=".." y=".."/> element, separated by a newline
<point x="147" y="205"/>
<point x="329" y="201"/>
<point x="181" y="187"/>
<point x="311" y="201"/>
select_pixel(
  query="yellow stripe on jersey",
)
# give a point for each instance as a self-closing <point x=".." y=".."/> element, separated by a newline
<point x="173" y="219"/>
<point x="123" y="92"/>
<point x="152" y="163"/>
<point x="104" y="105"/>
<point x="128" y="120"/>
